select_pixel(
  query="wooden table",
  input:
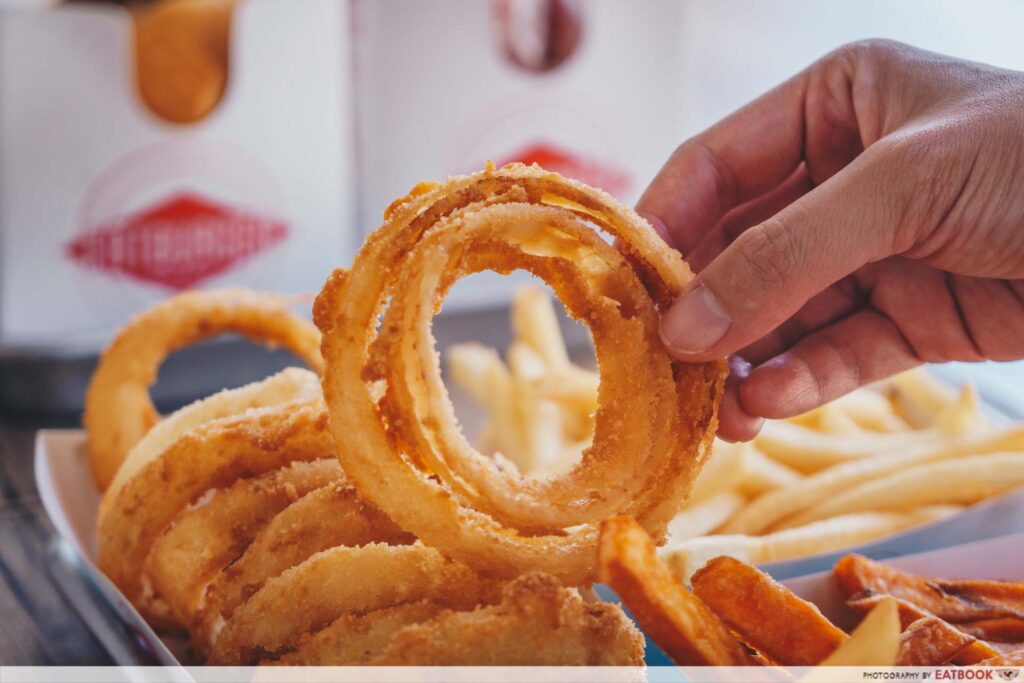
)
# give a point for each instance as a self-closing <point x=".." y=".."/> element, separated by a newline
<point x="37" y="626"/>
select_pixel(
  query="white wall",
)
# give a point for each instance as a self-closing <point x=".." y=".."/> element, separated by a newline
<point x="736" y="49"/>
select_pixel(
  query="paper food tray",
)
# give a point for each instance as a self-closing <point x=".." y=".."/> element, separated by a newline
<point x="71" y="501"/>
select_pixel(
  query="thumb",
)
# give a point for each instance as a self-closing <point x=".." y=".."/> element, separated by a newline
<point x="772" y="269"/>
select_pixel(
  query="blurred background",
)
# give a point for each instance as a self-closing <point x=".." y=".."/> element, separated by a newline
<point x="150" y="147"/>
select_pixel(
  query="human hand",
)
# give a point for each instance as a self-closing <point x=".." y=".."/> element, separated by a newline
<point x="862" y="218"/>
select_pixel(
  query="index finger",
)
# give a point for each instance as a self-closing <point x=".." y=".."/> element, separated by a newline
<point x="739" y="158"/>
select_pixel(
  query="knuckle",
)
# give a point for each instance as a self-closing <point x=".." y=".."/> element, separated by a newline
<point x="870" y="50"/>
<point x="772" y="253"/>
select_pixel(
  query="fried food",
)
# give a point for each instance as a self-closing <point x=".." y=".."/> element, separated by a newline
<point x="205" y="539"/>
<point x="118" y="408"/>
<point x="537" y="623"/>
<point x="356" y="638"/>
<point x="776" y="505"/>
<point x="682" y="625"/>
<point x="1015" y="658"/>
<point x="975" y="651"/>
<point x="827" y="535"/>
<point x="746" y="502"/>
<point x="211" y="456"/>
<point x="448" y="494"/>
<point x="339" y="581"/>
<point x="766" y="614"/>
<point x="288" y="386"/>
<point x="954" y="601"/>
<point x="961" y="481"/>
<point x="1003" y="630"/>
<point x="331" y="516"/>
<point x="875" y="642"/>
<point x="930" y="641"/>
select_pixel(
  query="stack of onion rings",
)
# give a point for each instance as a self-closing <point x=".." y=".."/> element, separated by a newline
<point x="403" y="449"/>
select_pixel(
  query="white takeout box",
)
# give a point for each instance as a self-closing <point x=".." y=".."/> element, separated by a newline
<point x="71" y="501"/>
<point x="105" y="208"/>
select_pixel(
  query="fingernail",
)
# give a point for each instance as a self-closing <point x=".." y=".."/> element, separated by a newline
<point x="695" y="323"/>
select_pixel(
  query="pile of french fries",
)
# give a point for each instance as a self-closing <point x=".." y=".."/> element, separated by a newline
<point x="737" y="615"/>
<point x="907" y="452"/>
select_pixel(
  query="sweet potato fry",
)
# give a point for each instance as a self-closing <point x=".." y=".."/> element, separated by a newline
<point x="875" y="641"/>
<point x="766" y="614"/>
<point x="930" y="642"/>
<point x="683" y="626"/>
<point x="954" y="601"/>
<point x="1015" y="658"/>
<point x="1004" y="630"/>
<point x="974" y="652"/>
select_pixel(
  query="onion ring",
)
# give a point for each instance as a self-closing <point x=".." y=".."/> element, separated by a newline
<point x="339" y="581"/>
<point x="210" y="456"/>
<point x="537" y="623"/>
<point x="287" y="386"/>
<point x="405" y="453"/>
<point x="118" y="407"/>
<point x="330" y="516"/>
<point x="353" y="637"/>
<point x="204" y="540"/>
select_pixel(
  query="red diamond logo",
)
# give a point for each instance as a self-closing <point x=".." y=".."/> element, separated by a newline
<point x="589" y="171"/>
<point x="178" y="243"/>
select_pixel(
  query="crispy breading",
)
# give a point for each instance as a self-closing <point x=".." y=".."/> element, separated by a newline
<point x="538" y="623"/>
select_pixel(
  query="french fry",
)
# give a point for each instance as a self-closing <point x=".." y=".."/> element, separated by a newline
<point x="919" y="398"/>
<point x="682" y="625"/>
<point x="469" y="365"/>
<point x="930" y="641"/>
<point x="875" y="641"/>
<point x="778" y="504"/>
<point x="725" y="467"/>
<point x="766" y="614"/>
<point x="760" y="473"/>
<point x="534" y="323"/>
<point x="964" y="415"/>
<point x="866" y="408"/>
<point x="959" y="481"/>
<point x="808" y="451"/>
<point x="833" y="420"/>
<point x="573" y="387"/>
<point x="954" y="601"/>
<point x="819" y="537"/>
<point x="704" y="517"/>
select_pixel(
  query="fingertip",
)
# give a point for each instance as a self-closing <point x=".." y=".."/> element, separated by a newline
<point x="734" y="422"/>
<point x="779" y="388"/>
<point x="692" y="327"/>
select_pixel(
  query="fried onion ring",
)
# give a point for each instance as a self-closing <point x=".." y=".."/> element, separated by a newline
<point x="205" y="539"/>
<point x="537" y="623"/>
<point x="405" y="452"/>
<point x="287" y="386"/>
<point x="352" y="638"/>
<point x="118" y="408"/>
<point x="339" y="581"/>
<point x="331" y="516"/>
<point x="210" y="456"/>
